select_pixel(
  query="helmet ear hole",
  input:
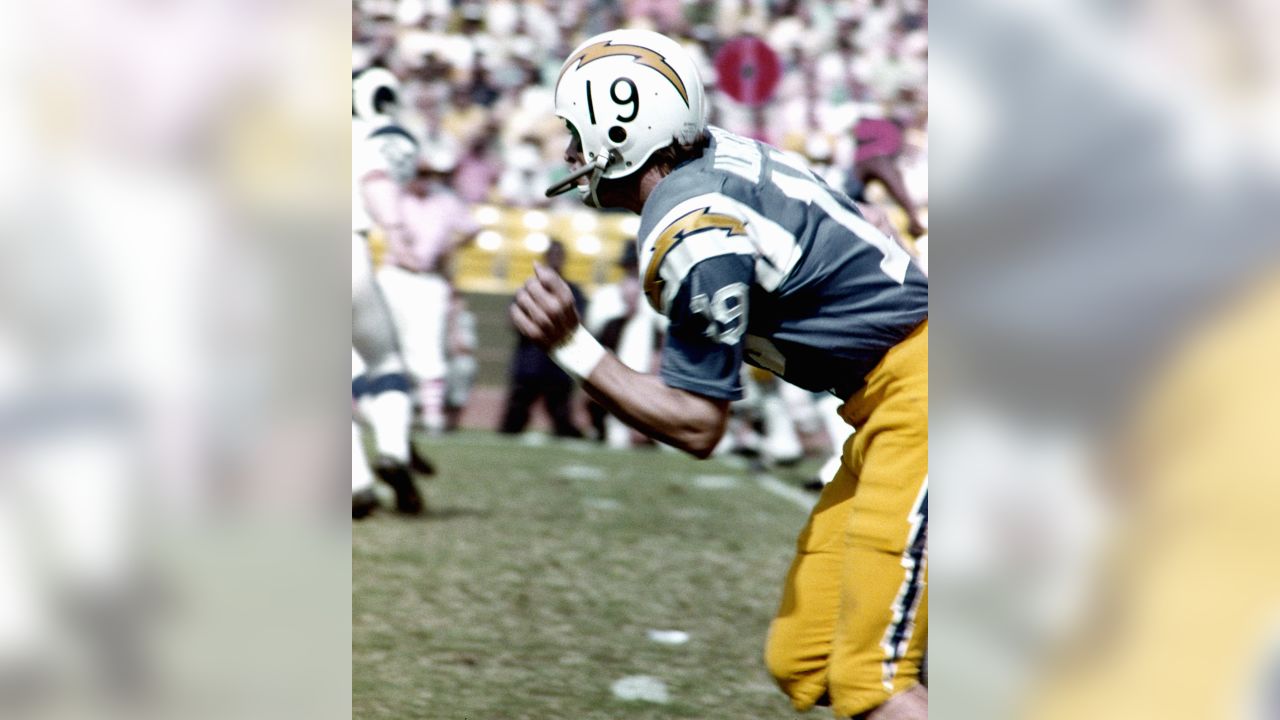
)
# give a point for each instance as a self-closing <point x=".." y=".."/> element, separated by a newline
<point x="618" y="134"/>
<point x="383" y="98"/>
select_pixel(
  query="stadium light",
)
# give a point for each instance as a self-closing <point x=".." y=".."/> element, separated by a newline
<point x="535" y="220"/>
<point x="537" y="242"/>
<point x="585" y="222"/>
<point x="487" y="214"/>
<point x="630" y="225"/>
<point x="489" y="240"/>
<point x="587" y="244"/>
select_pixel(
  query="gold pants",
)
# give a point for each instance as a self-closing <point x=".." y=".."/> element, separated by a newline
<point x="854" y="618"/>
<point x="1185" y="621"/>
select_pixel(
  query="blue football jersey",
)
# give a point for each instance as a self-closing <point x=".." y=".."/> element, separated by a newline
<point x="752" y="257"/>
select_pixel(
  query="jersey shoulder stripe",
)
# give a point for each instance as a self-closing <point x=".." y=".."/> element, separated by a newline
<point x="718" y="228"/>
<point x="695" y="229"/>
<point x="775" y="249"/>
<point x="737" y="155"/>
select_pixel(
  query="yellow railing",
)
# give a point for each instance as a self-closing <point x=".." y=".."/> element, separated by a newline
<point x="501" y="257"/>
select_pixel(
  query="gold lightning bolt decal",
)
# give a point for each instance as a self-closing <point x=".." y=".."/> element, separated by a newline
<point x="691" y="222"/>
<point x="643" y="56"/>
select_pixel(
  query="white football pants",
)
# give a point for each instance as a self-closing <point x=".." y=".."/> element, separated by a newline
<point x="376" y="355"/>
<point x="419" y="304"/>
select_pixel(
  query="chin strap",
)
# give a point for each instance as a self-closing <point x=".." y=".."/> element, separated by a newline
<point x="594" y="182"/>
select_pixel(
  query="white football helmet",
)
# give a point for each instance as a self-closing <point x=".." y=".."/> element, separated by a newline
<point x="398" y="150"/>
<point x="627" y="93"/>
<point x="375" y="95"/>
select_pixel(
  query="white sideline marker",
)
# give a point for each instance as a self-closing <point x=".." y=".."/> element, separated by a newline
<point x="714" y="482"/>
<point x="787" y="492"/>
<point x="534" y="440"/>
<point x="582" y="472"/>
<point x="668" y="637"/>
<point x="641" y="687"/>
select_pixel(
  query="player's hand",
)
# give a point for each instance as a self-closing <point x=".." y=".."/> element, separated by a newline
<point x="544" y="310"/>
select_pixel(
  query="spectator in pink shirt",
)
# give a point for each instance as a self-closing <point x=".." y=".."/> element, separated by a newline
<point x="435" y="222"/>
<point x="478" y="171"/>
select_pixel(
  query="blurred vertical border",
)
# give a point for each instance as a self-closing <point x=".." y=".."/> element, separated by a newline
<point x="1104" y="264"/>
<point x="174" y="539"/>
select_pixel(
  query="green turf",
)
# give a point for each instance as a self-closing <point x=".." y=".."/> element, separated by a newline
<point x="495" y="337"/>
<point x="524" y="593"/>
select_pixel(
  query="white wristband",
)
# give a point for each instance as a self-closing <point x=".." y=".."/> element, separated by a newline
<point x="579" y="354"/>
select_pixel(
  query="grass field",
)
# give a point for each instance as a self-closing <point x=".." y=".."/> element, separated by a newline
<point x="531" y="584"/>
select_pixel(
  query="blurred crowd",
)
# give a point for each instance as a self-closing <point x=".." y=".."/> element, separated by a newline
<point x="842" y="83"/>
<point x="478" y="78"/>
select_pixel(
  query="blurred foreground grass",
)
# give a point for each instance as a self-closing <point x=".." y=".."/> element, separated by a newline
<point x="530" y="585"/>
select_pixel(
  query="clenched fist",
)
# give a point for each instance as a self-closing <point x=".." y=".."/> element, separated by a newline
<point x="544" y="310"/>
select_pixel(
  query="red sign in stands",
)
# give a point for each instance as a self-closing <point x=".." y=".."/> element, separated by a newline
<point x="748" y="70"/>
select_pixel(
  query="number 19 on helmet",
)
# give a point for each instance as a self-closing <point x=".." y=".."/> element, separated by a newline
<point x="625" y="94"/>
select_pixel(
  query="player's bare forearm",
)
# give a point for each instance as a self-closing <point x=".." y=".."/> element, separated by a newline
<point x="679" y="418"/>
<point x="544" y="312"/>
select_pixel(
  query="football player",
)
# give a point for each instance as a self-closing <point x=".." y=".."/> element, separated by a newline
<point x="753" y="258"/>
<point x="384" y="158"/>
<point x="413" y="277"/>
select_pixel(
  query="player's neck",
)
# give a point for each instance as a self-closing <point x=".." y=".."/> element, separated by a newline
<point x="648" y="181"/>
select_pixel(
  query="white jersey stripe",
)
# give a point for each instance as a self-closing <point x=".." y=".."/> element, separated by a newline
<point x="693" y="250"/>
<point x="775" y="249"/>
<point x="896" y="260"/>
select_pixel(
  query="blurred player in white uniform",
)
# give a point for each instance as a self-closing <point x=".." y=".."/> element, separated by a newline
<point x="761" y="424"/>
<point x="435" y="221"/>
<point x="817" y="413"/>
<point x="781" y="442"/>
<point x="383" y="159"/>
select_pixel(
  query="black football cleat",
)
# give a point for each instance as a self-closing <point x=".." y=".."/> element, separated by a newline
<point x="814" y="485"/>
<point x="787" y="462"/>
<point x="363" y="503"/>
<point x="408" y="501"/>
<point x="420" y="463"/>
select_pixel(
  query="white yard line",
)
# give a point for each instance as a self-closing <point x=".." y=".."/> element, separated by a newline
<point x="581" y="472"/>
<point x="792" y="494"/>
<point x="715" y="482"/>
<point x="787" y="492"/>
